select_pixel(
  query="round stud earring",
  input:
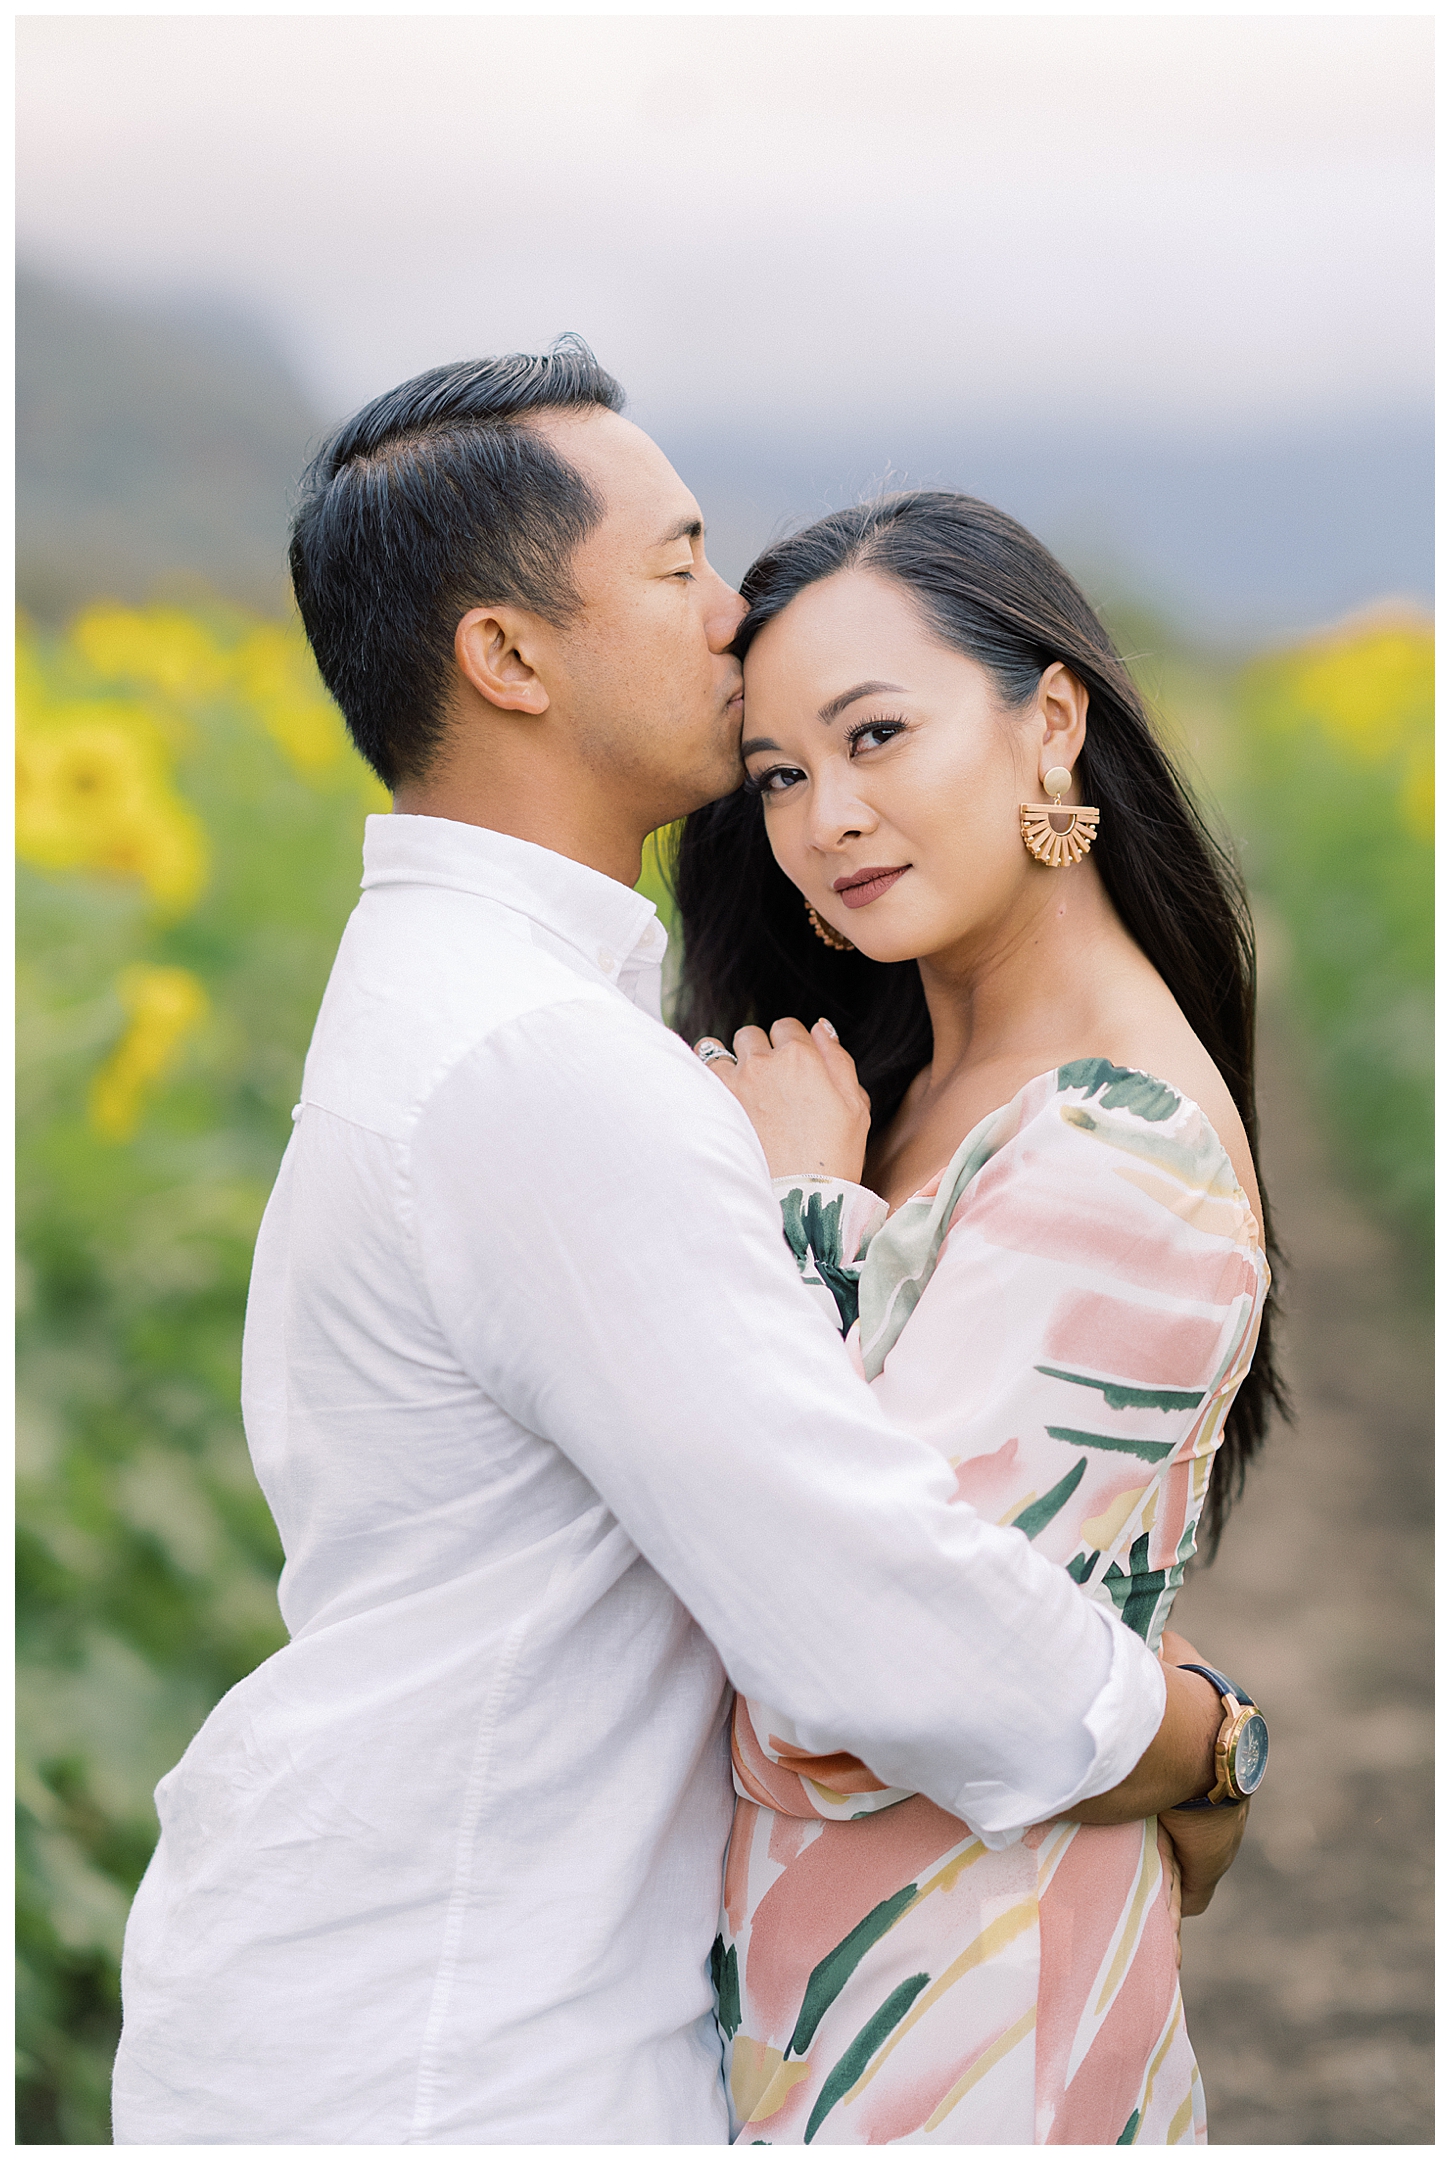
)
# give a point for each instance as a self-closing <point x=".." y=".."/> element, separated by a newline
<point x="1055" y="835"/>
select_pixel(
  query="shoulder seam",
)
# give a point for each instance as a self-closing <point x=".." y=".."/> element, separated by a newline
<point x="586" y="994"/>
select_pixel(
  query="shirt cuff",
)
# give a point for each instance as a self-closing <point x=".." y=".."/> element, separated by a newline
<point x="1121" y="1725"/>
<point x="1125" y="1718"/>
<point x="862" y="1211"/>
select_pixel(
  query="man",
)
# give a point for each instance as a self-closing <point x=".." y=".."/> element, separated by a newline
<point x="553" y="1435"/>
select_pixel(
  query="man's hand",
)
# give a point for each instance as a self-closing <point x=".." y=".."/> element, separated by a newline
<point x="799" y="1090"/>
<point x="1206" y="1840"/>
<point x="1180" y="1766"/>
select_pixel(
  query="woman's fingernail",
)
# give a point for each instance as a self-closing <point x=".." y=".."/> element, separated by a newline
<point x="824" y="1023"/>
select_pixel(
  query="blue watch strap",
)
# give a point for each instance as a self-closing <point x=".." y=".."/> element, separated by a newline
<point x="1224" y="1685"/>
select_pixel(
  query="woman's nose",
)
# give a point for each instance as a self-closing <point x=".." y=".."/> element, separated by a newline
<point x="837" y="811"/>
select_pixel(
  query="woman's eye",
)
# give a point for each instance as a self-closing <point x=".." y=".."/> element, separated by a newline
<point x="776" y="781"/>
<point x="871" y="734"/>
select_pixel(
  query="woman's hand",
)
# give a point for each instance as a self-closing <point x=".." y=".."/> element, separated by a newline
<point x="1206" y="1841"/>
<point x="800" y="1092"/>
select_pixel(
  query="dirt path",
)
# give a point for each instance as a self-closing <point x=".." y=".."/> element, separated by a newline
<point x="1309" y="1981"/>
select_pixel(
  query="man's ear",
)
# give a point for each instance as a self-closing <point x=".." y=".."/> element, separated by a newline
<point x="491" y="646"/>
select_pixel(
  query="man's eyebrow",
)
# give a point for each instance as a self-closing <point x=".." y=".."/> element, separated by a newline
<point x="689" y="528"/>
<point x="837" y="705"/>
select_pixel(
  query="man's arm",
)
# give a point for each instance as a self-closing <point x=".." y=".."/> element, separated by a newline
<point x="1177" y="1766"/>
<point x="596" y="1232"/>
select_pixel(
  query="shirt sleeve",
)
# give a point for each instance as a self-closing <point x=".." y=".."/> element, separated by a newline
<point x="829" y="1224"/>
<point x="594" y="1226"/>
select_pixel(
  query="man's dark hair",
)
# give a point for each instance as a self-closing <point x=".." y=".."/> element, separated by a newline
<point x="436" y="498"/>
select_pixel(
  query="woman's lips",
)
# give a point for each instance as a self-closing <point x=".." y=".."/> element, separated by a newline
<point x="864" y="886"/>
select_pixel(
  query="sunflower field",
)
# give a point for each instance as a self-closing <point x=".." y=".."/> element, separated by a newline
<point x="189" y="815"/>
<point x="1333" y="771"/>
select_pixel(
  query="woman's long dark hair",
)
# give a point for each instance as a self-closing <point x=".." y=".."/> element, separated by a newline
<point x="989" y="590"/>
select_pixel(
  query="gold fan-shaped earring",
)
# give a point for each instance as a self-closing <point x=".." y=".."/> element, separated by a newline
<point x="826" y="933"/>
<point x="1052" y="834"/>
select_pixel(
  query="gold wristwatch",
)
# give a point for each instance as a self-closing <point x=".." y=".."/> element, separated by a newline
<point x="1241" y="1751"/>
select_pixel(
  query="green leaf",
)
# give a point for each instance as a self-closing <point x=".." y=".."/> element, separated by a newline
<point x="1119" y="1395"/>
<point x="1120" y="1089"/>
<point x="1112" y="1443"/>
<point x="1039" y="1513"/>
<point x="836" y="1968"/>
<point x="725" y="1974"/>
<point x="862" y="2048"/>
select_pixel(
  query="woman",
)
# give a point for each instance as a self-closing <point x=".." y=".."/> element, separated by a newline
<point x="960" y="843"/>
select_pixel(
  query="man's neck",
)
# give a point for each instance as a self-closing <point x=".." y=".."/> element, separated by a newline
<point x="591" y="833"/>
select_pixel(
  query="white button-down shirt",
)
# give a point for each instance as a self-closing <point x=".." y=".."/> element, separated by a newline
<point x="556" y="1441"/>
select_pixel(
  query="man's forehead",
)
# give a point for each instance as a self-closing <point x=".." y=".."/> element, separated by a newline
<point x="626" y="468"/>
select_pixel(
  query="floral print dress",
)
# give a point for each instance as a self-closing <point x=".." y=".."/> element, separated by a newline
<point x="1066" y="1312"/>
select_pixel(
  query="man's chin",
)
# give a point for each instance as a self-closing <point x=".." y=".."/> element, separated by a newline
<point x="716" y="770"/>
<point x="726" y="781"/>
<point x="721" y="777"/>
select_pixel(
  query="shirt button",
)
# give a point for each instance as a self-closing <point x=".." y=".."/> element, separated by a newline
<point x="606" y="959"/>
<point x="296" y="1114"/>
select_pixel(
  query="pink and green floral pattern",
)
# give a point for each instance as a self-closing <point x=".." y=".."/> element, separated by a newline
<point x="1066" y="1312"/>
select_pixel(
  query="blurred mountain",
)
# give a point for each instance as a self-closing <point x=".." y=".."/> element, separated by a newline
<point x="159" y="448"/>
<point x="156" y="451"/>
<point x="1231" y="541"/>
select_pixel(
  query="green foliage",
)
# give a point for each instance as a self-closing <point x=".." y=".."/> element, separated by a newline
<point x="1335" y="750"/>
<point x="147" y="1558"/>
<point x="1322" y="756"/>
<point x="189" y="817"/>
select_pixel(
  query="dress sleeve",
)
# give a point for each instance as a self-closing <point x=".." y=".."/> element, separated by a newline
<point x="829" y="1225"/>
<point x="1079" y="1329"/>
<point x="594" y="1230"/>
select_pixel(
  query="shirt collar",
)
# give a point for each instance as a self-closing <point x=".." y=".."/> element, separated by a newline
<point x="611" y="926"/>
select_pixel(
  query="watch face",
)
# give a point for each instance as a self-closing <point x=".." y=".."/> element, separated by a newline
<point x="1249" y="1755"/>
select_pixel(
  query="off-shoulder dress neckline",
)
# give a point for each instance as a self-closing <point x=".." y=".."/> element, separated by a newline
<point x="1106" y="1066"/>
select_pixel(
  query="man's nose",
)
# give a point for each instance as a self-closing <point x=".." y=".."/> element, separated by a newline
<point x="724" y="615"/>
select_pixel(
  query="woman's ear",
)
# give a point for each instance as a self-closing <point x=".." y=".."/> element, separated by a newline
<point x="491" y="647"/>
<point x="1062" y="703"/>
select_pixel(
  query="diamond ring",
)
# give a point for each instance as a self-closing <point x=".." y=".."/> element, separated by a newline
<point x="709" y="1051"/>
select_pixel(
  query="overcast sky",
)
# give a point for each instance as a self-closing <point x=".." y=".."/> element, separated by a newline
<point x="1214" y="223"/>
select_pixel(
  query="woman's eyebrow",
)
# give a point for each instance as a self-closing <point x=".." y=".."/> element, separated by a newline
<point x="758" y="742"/>
<point x="837" y="705"/>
